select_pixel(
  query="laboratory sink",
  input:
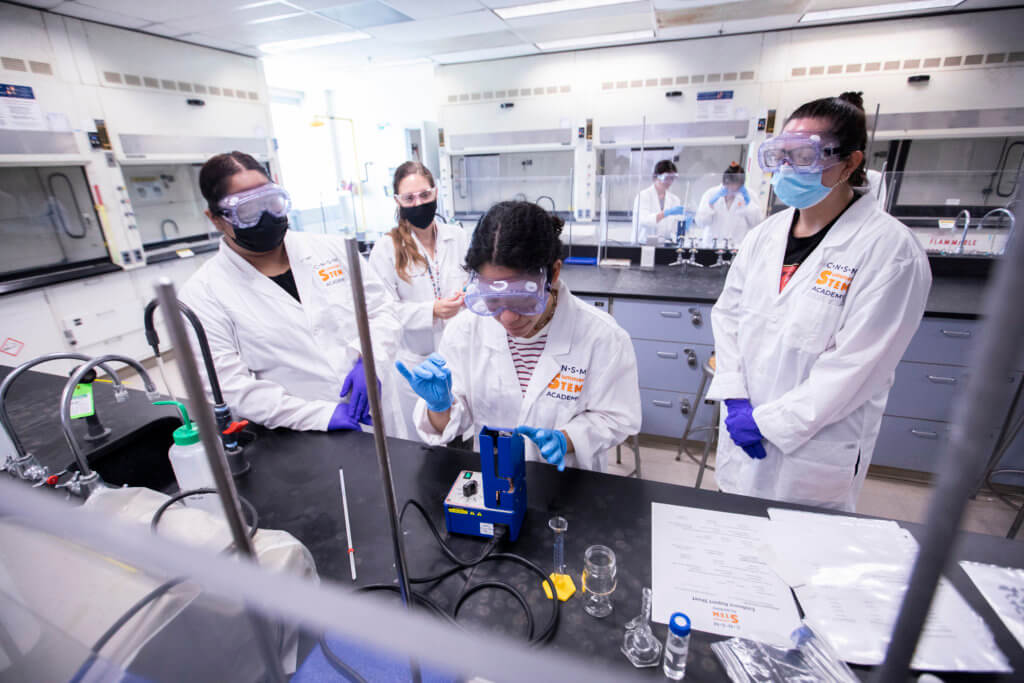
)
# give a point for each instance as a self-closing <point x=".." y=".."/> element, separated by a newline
<point x="138" y="458"/>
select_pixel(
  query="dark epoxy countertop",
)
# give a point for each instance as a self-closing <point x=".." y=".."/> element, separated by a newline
<point x="294" y="486"/>
<point x="950" y="296"/>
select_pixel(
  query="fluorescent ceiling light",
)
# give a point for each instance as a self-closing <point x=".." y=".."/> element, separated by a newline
<point x="313" y="41"/>
<point x="276" y="17"/>
<point x="551" y="7"/>
<point x="586" y="41"/>
<point x="874" y="10"/>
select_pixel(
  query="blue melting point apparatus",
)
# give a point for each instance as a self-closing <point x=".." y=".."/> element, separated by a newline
<point x="496" y="495"/>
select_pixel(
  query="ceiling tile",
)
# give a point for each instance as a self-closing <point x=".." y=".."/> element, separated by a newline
<point x="303" y="26"/>
<point x="490" y="53"/>
<point x="80" y="11"/>
<point x="471" y="42"/>
<point x="169" y="30"/>
<point x="365" y="14"/>
<point x="418" y="9"/>
<point x="201" y="21"/>
<point x="626" y="8"/>
<point x="562" y="30"/>
<point x="160" y="12"/>
<point x="440" y="27"/>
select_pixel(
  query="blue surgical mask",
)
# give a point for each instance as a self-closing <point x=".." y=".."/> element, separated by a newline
<point x="799" y="190"/>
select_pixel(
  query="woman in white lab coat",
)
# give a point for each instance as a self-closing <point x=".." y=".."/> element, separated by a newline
<point x="656" y="211"/>
<point x="420" y="262"/>
<point x="818" y="308"/>
<point x="277" y="309"/>
<point x="528" y="354"/>
<point x="726" y="212"/>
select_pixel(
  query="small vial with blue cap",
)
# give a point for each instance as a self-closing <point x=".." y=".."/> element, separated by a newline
<point x="677" y="646"/>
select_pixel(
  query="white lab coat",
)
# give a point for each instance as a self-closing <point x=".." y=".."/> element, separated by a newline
<point x="414" y="299"/>
<point x="585" y="382"/>
<point x="646" y="208"/>
<point x="721" y="221"/>
<point x="282" y="363"/>
<point x="816" y="360"/>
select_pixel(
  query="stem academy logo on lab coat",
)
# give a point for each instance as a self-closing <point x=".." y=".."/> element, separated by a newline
<point x="330" y="272"/>
<point x="567" y="384"/>
<point x="833" y="281"/>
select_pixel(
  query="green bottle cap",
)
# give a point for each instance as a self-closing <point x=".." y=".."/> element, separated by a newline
<point x="187" y="434"/>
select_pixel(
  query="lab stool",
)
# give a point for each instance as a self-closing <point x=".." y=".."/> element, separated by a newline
<point x="707" y="374"/>
<point x="634" y="443"/>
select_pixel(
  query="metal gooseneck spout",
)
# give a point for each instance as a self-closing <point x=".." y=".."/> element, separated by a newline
<point x="967" y="223"/>
<point x="87" y="481"/>
<point x="1001" y="211"/>
<point x="21" y="455"/>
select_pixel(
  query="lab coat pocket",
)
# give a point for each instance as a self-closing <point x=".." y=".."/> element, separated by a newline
<point x="813" y="326"/>
<point x="820" y="473"/>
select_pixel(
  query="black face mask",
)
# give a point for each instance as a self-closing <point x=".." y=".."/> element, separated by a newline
<point x="265" y="235"/>
<point x="420" y="216"/>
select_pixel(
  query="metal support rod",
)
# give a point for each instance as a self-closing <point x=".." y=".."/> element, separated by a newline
<point x="209" y="435"/>
<point x="962" y="463"/>
<point x="379" y="440"/>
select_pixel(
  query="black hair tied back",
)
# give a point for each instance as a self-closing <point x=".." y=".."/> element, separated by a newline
<point x="849" y="125"/>
<point x="519" y="235"/>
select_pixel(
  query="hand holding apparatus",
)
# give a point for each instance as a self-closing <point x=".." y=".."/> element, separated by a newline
<point x="431" y="381"/>
<point x="551" y="443"/>
<point x="745" y="194"/>
<point x="718" y="195"/>
<point x="674" y="211"/>
<point x="448" y="308"/>
<point x="742" y="428"/>
<point x="359" y="401"/>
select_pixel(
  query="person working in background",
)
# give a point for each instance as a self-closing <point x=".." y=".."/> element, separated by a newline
<point x="726" y="212"/>
<point x="529" y="354"/>
<point x="818" y="308"/>
<point x="278" y="311"/>
<point x="656" y="210"/>
<point x="420" y="262"/>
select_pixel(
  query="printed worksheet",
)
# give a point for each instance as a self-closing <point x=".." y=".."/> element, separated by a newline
<point x="1003" y="588"/>
<point x="706" y="565"/>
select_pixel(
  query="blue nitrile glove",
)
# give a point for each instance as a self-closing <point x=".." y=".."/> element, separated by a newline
<point x="359" y="401"/>
<point x="674" y="211"/>
<point x="718" y="195"/>
<point x="342" y="420"/>
<point x="551" y="443"/>
<point x="431" y="381"/>
<point x="745" y="194"/>
<point x="742" y="428"/>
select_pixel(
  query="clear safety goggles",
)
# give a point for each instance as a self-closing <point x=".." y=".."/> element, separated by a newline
<point x="410" y="198"/>
<point x="804" y="152"/>
<point x="525" y="295"/>
<point x="244" y="209"/>
<point x="668" y="177"/>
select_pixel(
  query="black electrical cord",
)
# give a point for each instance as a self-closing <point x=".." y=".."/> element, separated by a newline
<point x="119" y="623"/>
<point x="253" y="516"/>
<point x="339" y="666"/>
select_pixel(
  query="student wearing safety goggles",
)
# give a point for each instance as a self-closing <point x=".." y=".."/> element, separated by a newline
<point x="727" y="212"/>
<point x="529" y="355"/>
<point x="818" y="308"/>
<point x="420" y="262"/>
<point x="277" y="309"/>
<point x="656" y="210"/>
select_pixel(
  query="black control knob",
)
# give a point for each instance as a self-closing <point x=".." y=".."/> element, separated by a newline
<point x="469" y="488"/>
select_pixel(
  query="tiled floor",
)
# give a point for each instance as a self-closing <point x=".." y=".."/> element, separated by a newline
<point x="881" y="497"/>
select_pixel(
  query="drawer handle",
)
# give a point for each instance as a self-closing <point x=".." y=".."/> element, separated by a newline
<point x="691" y="357"/>
<point x="958" y="334"/>
<point x="684" y="407"/>
<point x="667" y="354"/>
<point x="671" y="314"/>
<point x="924" y="435"/>
<point x="941" y="380"/>
<point x="662" y="404"/>
<point x="695" y="317"/>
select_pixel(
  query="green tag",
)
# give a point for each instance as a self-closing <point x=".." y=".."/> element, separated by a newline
<point x="81" y="402"/>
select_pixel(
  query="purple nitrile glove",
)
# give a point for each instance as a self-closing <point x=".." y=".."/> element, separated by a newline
<point x="551" y="443"/>
<point x="742" y="428"/>
<point x="341" y="420"/>
<point x="718" y="195"/>
<point x="359" y="401"/>
<point x="745" y="194"/>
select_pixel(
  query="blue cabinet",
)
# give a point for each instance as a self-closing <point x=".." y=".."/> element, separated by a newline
<point x="665" y="320"/>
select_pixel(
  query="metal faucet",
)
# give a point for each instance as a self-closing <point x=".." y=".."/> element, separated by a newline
<point x="226" y="427"/>
<point x="693" y="254"/>
<point x="23" y="464"/>
<point x="1009" y="214"/>
<point x="721" y="262"/>
<point x="680" y="250"/>
<point x="86" y="480"/>
<point x="967" y="223"/>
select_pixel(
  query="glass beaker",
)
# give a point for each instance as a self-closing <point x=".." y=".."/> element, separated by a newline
<point x="599" y="580"/>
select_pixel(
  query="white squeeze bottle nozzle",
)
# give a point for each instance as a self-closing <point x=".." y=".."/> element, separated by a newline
<point x="188" y="460"/>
